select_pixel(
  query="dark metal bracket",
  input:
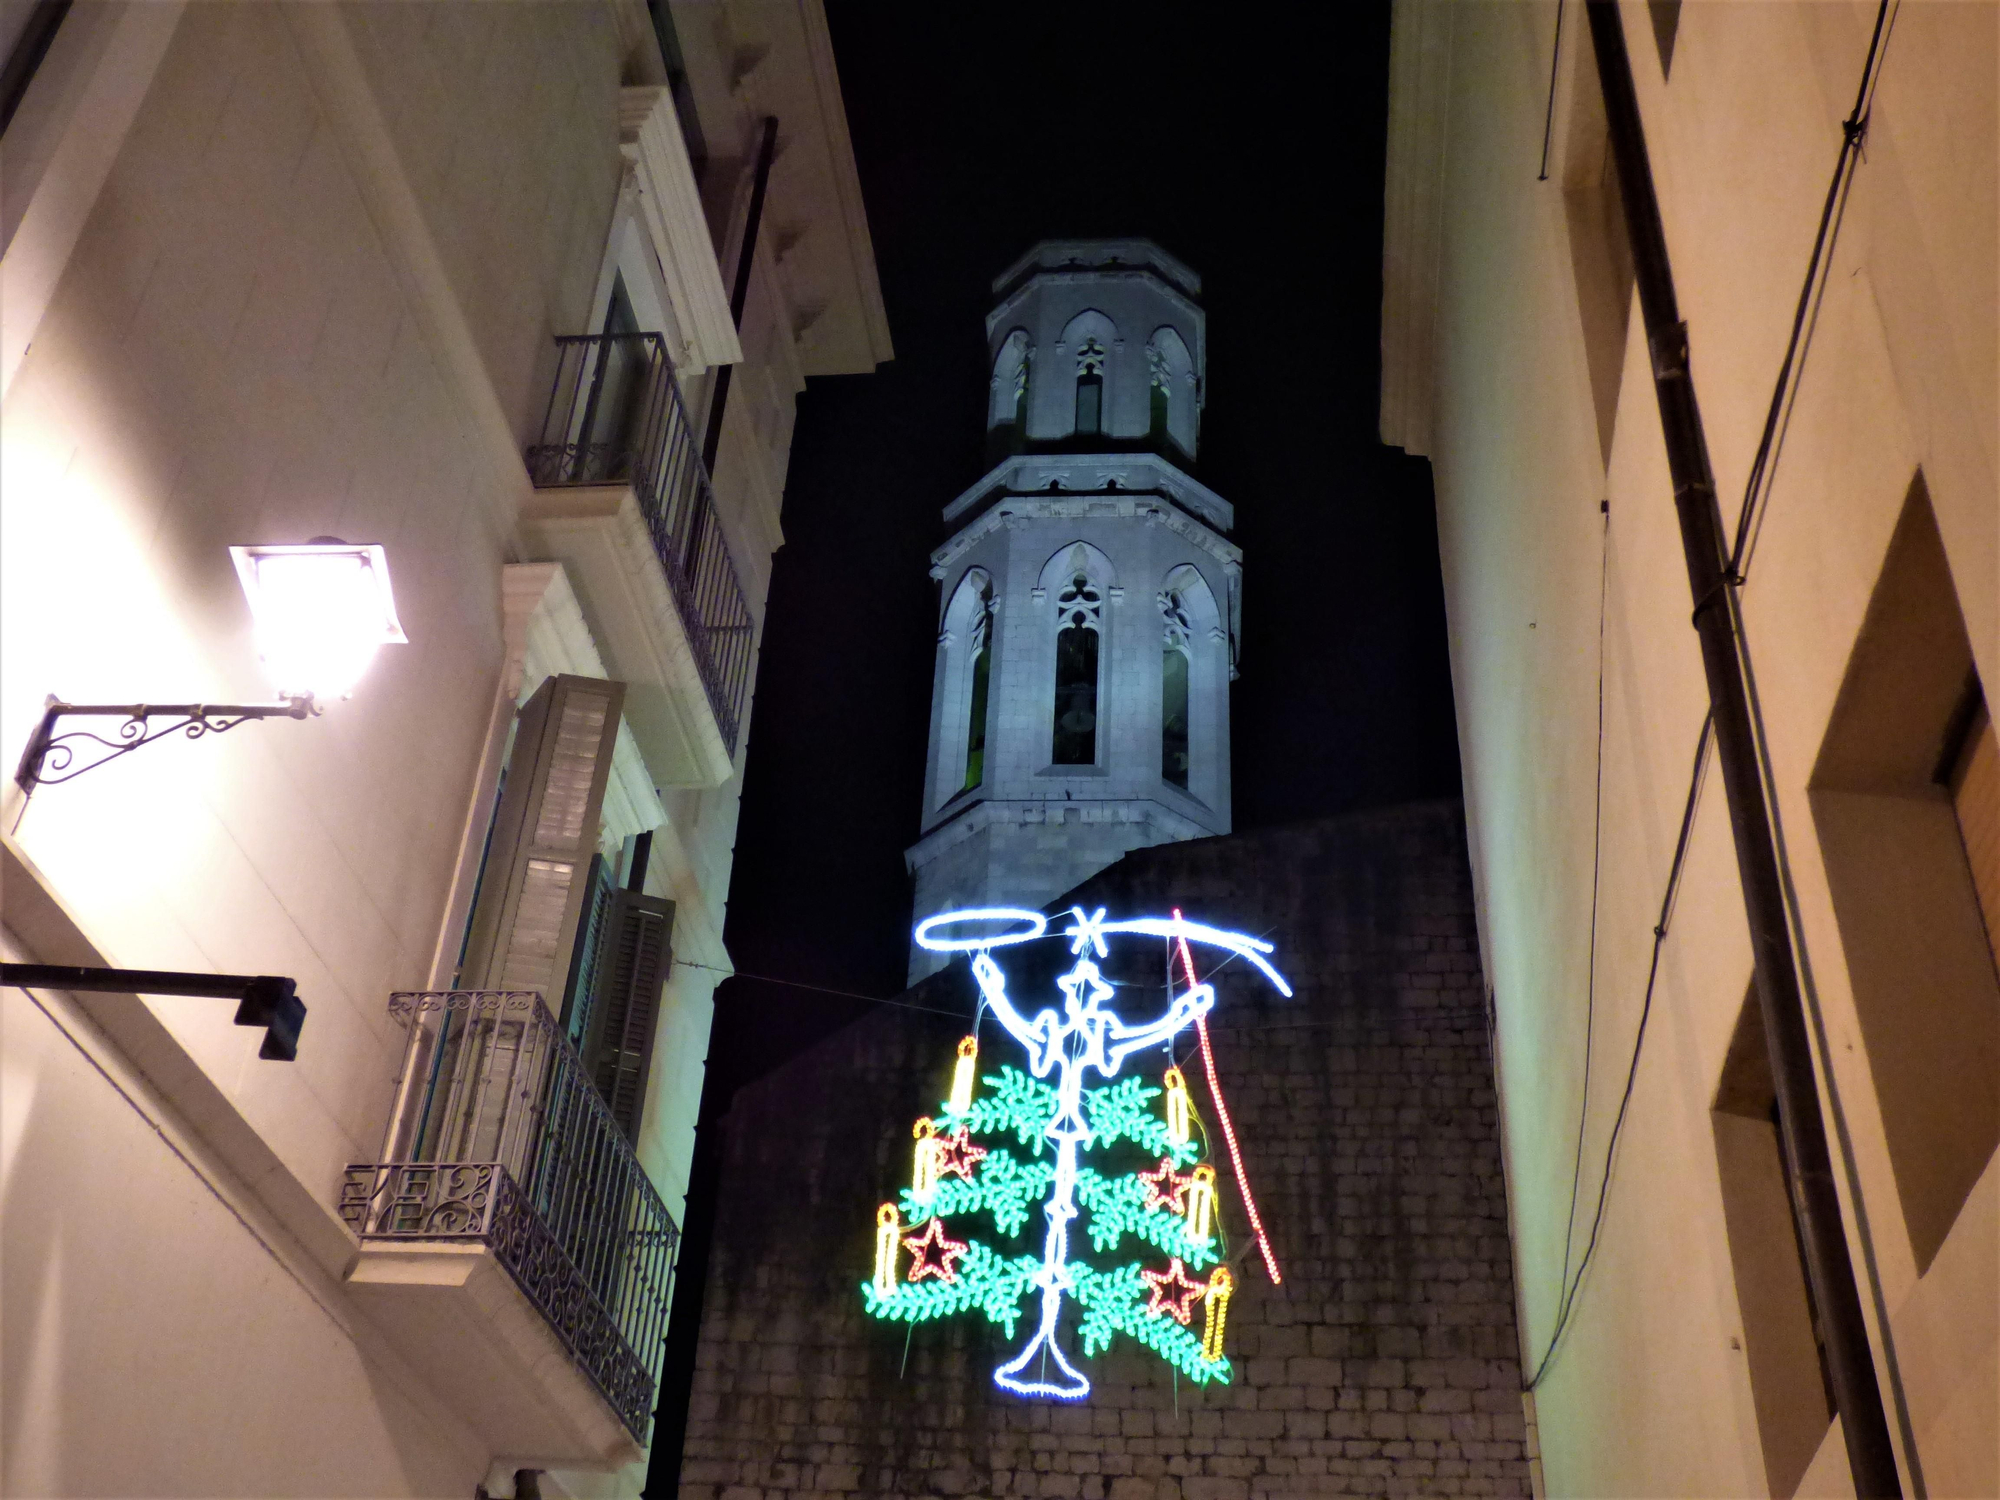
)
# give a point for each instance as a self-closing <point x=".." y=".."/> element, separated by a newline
<point x="261" y="999"/>
<point x="49" y="758"/>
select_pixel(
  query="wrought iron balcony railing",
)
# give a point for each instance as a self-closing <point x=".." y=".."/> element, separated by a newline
<point x="615" y="416"/>
<point x="498" y="1138"/>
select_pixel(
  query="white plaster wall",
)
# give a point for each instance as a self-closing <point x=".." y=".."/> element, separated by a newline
<point x="155" y="1342"/>
<point x="1650" y="1393"/>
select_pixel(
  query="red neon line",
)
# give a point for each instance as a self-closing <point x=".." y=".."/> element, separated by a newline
<point x="1222" y="1113"/>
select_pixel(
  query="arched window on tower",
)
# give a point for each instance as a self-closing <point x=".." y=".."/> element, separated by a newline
<point x="1193" y="687"/>
<point x="1173" y="390"/>
<point x="965" y="670"/>
<point x="1090" y="388"/>
<point x="1007" y="412"/>
<point x="979" y="656"/>
<point x="1174" y="667"/>
<point x="1079" y="637"/>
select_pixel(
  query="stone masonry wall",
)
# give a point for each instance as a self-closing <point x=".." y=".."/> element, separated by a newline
<point x="1385" y="1364"/>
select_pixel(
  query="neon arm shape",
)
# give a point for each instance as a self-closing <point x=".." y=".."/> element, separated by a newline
<point x="1125" y="1040"/>
<point x="1040" y="1037"/>
<point x="1241" y="944"/>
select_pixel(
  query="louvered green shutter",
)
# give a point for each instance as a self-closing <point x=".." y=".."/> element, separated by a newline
<point x="632" y="967"/>
<point x="524" y="927"/>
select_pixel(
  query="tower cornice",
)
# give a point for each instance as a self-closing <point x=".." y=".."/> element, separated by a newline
<point x="1121" y="474"/>
<point x="1110" y="505"/>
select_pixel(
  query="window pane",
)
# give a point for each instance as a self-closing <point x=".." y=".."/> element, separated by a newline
<point x="1089" y="403"/>
<point x="1076" y="697"/>
<point x="1174" y="717"/>
<point x="975" y="729"/>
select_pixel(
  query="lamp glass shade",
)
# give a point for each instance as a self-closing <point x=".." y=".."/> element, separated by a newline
<point x="321" y="610"/>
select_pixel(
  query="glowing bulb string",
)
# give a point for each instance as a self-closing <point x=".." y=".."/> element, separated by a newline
<point x="1222" y="1111"/>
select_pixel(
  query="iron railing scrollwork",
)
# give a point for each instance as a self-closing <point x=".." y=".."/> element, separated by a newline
<point x="616" y="416"/>
<point x="498" y="1137"/>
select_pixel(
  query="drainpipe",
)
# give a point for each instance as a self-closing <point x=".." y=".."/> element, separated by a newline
<point x="1857" y="1393"/>
<point x="740" y="293"/>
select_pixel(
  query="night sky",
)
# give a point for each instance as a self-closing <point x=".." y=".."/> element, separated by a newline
<point x="1250" y="145"/>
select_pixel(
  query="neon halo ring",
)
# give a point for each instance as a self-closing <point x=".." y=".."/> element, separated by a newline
<point x="1037" y="926"/>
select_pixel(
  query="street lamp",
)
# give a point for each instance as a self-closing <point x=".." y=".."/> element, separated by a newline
<point x="321" y="610"/>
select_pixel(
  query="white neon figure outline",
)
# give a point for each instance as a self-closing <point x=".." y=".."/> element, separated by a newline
<point x="1085" y="1036"/>
<point x="1037" y="926"/>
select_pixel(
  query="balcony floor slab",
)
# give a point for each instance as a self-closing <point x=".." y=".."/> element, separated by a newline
<point x="463" y="1324"/>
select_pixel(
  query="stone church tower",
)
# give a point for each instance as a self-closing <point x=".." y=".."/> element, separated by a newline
<point x="1088" y="631"/>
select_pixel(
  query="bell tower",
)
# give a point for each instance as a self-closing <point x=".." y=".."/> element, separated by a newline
<point x="1089" y="600"/>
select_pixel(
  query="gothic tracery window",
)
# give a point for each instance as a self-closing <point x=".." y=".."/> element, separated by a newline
<point x="1079" y="632"/>
<point x="1174" y="760"/>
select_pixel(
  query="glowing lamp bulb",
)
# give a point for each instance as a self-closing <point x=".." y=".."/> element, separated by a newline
<point x="1220" y="1286"/>
<point x="888" y="1230"/>
<point x="962" y="1075"/>
<point x="1201" y="1202"/>
<point x="1177" y="1107"/>
<point x="321" y="611"/>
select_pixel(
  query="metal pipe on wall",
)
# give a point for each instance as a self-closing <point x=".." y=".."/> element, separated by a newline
<point x="1830" y="1270"/>
<point x="740" y="293"/>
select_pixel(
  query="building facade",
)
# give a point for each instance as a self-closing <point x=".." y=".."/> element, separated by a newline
<point x="520" y="298"/>
<point x="1824" y="178"/>
<point x="1089" y="596"/>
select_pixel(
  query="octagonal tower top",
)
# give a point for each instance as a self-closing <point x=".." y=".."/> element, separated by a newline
<point x="1097" y="346"/>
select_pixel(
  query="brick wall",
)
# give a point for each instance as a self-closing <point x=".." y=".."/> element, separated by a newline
<point x="1386" y="1362"/>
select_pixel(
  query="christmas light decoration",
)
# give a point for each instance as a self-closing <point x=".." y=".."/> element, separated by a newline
<point x="1177" y="1107"/>
<point x="957" y="1156"/>
<point x="1014" y="1139"/>
<point x="924" y="1170"/>
<point x="888" y="1230"/>
<point x="1220" y="1286"/>
<point x="1181" y="933"/>
<point x="962" y="1076"/>
<point x="921" y="1247"/>
<point x="1201" y="1201"/>
<point x="1166" y="1188"/>
<point x="1173" y="1292"/>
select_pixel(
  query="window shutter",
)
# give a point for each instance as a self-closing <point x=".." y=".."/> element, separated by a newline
<point x="632" y="968"/>
<point x="524" y="926"/>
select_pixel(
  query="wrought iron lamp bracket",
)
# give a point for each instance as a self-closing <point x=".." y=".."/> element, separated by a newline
<point x="50" y="758"/>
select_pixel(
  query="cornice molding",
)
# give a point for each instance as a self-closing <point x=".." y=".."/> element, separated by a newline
<point x="1119" y="474"/>
<point x="649" y="137"/>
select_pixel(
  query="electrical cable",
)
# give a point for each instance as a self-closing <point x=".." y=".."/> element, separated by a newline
<point x="820" y="989"/>
<point x="1568" y="1302"/>
<point x="1549" y="121"/>
<point x="1596" y="865"/>
<point x="1853" y="132"/>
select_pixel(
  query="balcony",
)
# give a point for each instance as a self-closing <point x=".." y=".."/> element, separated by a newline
<point x="501" y="1157"/>
<point x="624" y="502"/>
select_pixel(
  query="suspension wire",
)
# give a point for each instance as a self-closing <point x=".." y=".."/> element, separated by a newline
<point x="1596" y="864"/>
<point x="1853" y="133"/>
<point x="1568" y="1302"/>
<point x="1549" y="122"/>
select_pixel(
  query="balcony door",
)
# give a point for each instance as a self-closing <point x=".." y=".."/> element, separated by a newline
<point x="611" y="443"/>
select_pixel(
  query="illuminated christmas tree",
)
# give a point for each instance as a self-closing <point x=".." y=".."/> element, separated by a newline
<point x="953" y="1242"/>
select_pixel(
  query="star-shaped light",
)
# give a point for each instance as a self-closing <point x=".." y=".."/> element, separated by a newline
<point x="1084" y="988"/>
<point x="933" y="1238"/>
<point x="957" y="1154"/>
<point x="1173" y="1293"/>
<point x="1166" y="1188"/>
<point x="1086" y="933"/>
